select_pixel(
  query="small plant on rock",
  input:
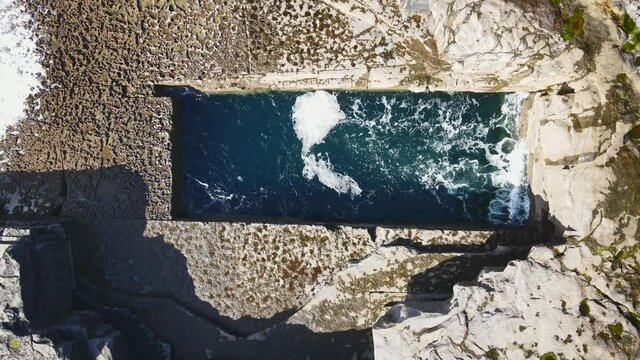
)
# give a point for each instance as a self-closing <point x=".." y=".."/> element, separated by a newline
<point x="548" y="356"/>
<point x="492" y="354"/>
<point x="584" y="308"/>
<point x="633" y="34"/>
<point x="616" y="330"/>
<point x="573" y="25"/>
<point x="13" y="343"/>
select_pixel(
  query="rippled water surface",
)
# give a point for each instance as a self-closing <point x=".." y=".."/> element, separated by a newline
<point x="356" y="157"/>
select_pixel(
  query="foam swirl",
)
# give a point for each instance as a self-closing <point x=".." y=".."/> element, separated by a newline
<point x="314" y="114"/>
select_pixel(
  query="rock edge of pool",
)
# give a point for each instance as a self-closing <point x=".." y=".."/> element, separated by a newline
<point x="98" y="263"/>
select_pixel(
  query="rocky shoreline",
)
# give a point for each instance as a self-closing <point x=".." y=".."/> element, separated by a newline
<point x="94" y="152"/>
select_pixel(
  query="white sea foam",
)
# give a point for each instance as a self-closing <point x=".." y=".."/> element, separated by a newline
<point x="217" y="195"/>
<point x="441" y="171"/>
<point x="322" y="169"/>
<point x="314" y="115"/>
<point x="511" y="166"/>
<point x="456" y="176"/>
<point x="450" y="135"/>
<point x="20" y="67"/>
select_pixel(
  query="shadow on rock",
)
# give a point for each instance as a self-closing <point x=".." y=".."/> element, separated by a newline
<point x="132" y="294"/>
<point x="502" y="247"/>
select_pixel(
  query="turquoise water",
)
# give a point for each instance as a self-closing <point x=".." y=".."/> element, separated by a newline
<point x="350" y="157"/>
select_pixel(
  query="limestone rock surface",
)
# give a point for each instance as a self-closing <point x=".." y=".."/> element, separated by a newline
<point x="417" y="44"/>
<point x="529" y="309"/>
<point x="631" y="7"/>
<point x="359" y="293"/>
<point x="245" y="276"/>
<point x="498" y="43"/>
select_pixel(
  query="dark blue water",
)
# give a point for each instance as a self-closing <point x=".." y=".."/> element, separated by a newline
<point x="354" y="157"/>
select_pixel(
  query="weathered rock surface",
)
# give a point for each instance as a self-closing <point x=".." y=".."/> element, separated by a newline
<point x="416" y="44"/>
<point x="503" y="45"/>
<point x="578" y="300"/>
<point x="207" y="286"/>
<point x="200" y="286"/>
<point x="360" y="293"/>
<point x="529" y="309"/>
<point x="572" y="138"/>
<point x="631" y="7"/>
<point x="245" y="277"/>
<point x="583" y="169"/>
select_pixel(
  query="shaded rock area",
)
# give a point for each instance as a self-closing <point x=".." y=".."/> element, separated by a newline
<point x="211" y="291"/>
<point x="109" y="192"/>
<point x="133" y="293"/>
<point x="234" y="290"/>
<point x="38" y="320"/>
<point x="246" y="277"/>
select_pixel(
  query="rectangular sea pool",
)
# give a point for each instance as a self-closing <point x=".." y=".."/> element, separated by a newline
<point x="350" y="157"/>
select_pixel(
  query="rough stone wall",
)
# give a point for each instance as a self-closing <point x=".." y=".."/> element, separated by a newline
<point x="516" y="313"/>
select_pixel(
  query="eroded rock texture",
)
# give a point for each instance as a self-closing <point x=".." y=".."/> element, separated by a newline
<point x="96" y="147"/>
<point x="245" y="277"/>
<point x="529" y="309"/>
<point x="583" y="170"/>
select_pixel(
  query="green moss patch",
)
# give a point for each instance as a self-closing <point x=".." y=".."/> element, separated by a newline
<point x="633" y="34"/>
<point x="492" y="354"/>
<point x="627" y="24"/>
<point x="549" y="356"/>
<point x="578" y="26"/>
<point x="13" y="343"/>
<point x="616" y="330"/>
<point x="573" y="25"/>
<point x="584" y="308"/>
<point x="627" y="252"/>
<point x="634" y="133"/>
